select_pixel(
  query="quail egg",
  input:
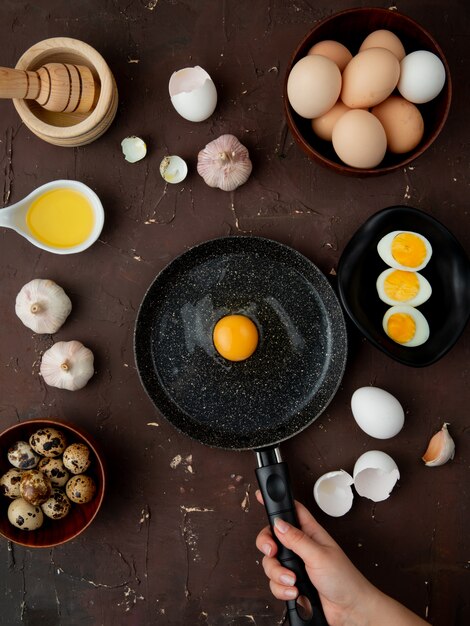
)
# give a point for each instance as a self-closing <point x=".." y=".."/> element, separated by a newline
<point x="10" y="483"/>
<point x="77" y="458"/>
<point x="55" y="470"/>
<point x="80" y="489"/>
<point x="24" y="515"/>
<point x="57" y="506"/>
<point x="22" y="456"/>
<point x="35" y="487"/>
<point x="48" y="442"/>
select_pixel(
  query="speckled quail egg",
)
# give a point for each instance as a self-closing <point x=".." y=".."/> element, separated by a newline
<point x="48" y="442"/>
<point x="57" y="506"/>
<point x="35" y="487"/>
<point x="10" y="483"/>
<point x="77" y="458"/>
<point x="55" y="470"/>
<point x="24" y="515"/>
<point x="22" y="456"/>
<point x="80" y="489"/>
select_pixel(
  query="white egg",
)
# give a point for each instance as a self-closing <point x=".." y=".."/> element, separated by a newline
<point x="333" y="493"/>
<point x="377" y="412"/>
<point x="193" y="94"/>
<point x="403" y="287"/>
<point x="422" y="76"/>
<point x="406" y="325"/>
<point x="375" y="475"/>
<point x="405" y="250"/>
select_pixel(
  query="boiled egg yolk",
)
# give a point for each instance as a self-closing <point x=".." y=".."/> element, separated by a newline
<point x="235" y="337"/>
<point x="401" y="327"/>
<point x="408" y="249"/>
<point x="401" y="286"/>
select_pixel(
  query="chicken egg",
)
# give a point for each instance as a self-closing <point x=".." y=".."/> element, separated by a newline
<point x="406" y="325"/>
<point x="313" y="85"/>
<point x="405" y="250"/>
<point x="333" y="493"/>
<point x="375" y="475"/>
<point x="323" y="126"/>
<point x="235" y="337"/>
<point x="193" y="93"/>
<point x="359" y="139"/>
<point x="333" y="50"/>
<point x="402" y="122"/>
<point x="422" y="76"/>
<point x="377" y="412"/>
<point x="369" y="78"/>
<point x="402" y="287"/>
<point x="384" y="39"/>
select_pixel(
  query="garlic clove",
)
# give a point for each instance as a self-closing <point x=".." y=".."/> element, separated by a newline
<point x="173" y="169"/>
<point x="133" y="148"/>
<point x="67" y="365"/>
<point x="441" y="448"/>
<point x="43" y="306"/>
<point x="224" y="163"/>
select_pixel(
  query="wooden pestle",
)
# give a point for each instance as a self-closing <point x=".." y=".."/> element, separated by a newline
<point x="60" y="87"/>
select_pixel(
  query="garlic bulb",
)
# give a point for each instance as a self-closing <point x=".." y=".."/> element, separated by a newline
<point x="67" y="365"/>
<point x="441" y="448"/>
<point x="224" y="163"/>
<point x="42" y="306"/>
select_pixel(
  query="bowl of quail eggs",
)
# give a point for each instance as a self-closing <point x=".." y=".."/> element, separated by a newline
<point x="52" y="482"/>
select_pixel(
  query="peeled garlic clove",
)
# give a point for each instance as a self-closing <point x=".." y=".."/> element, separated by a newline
<point x="224" y="163"/>
<point x="441" y="448"/>
<point x="173" y="169"/>
<point x="133" y="148"/>
<point x="67" y="365"/>
<point x="42" y="306"/>
<point x="192" y="93"/>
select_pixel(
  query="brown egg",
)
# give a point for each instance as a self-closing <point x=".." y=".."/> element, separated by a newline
<point x="369" y="78"/>
<point x="359" y="139"/>
<point x="402" y="122"/>
<point x="35" y="487"/>
<point x="384" y="39"/>
<point x="323" y="126"/>
<point x="333" y="50"/>
<point x="313" y="86"/>
<point x="80" y="489"/>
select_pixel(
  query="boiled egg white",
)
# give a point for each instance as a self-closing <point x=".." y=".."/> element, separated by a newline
<point x="405" y="250"/>
<point x="375" y="475"/>
<point x="397" y="287"/>
<point x="406" y="325"/>
<point x="377" y="412"/>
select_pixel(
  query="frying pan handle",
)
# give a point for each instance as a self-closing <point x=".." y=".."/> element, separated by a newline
<point x="274" y="483"/>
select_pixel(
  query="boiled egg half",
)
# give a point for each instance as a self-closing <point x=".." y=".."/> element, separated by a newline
<point x="405" y="250"/>
<point x="397" y="287"/>
<point x="406" y="325"/>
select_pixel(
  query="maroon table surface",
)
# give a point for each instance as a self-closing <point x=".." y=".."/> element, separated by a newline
<point x="174" y="541"/>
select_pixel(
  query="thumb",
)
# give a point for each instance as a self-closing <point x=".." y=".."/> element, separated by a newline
<point x="296" y="540"/>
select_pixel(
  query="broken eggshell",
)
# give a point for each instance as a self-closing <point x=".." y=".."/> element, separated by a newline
<point x="173" y="169"/>
<point x="192" y="93"/>
<point x="375" y="475"/>
<point x="333" y="493"/>
<point x="133" y="148"/>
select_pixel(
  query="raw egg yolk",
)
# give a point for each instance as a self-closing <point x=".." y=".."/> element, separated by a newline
<point x="401" y="286"/>
<point x="401" y="327"/>
<point x="408" y="249"/>
<point x="235" y="337"/>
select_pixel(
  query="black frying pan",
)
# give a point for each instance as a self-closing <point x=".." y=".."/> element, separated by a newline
<point x="254" y="404"/>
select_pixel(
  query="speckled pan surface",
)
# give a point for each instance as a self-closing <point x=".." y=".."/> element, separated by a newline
<point x="295" y="370"/>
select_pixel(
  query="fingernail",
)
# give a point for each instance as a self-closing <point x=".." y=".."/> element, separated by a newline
<point x="266" y="549"/>
<point x="287" y="580"/>
<point x="281" y="525"/>
<point x="290" y="593"/>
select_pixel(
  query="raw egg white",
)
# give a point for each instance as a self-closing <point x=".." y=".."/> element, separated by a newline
<point x="313" y="85"/>
<point x="422" y="76"/>
<point x="377" y="412"/>
<point x="400" y="287"/>
<point x="406" y="325"/>
<point x="235" y="337"/>
<point x="404" y="250"/>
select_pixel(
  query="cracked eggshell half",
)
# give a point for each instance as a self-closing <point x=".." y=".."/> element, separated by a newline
<point x="375" y="475"/>
<point x="333" y="493"/>
<point x="377" y="412"/>
<point x="193" y="93"/>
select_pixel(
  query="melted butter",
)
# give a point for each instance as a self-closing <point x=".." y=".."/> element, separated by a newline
<point x="61" y="218"/>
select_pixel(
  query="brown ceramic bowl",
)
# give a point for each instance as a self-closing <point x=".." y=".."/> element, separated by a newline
<point x="350" y="28"/>
<point x="52" y="532"/>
